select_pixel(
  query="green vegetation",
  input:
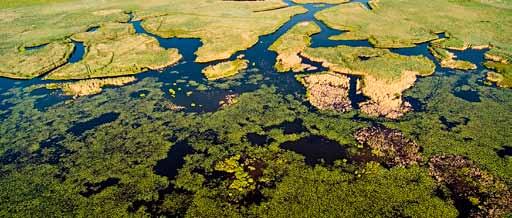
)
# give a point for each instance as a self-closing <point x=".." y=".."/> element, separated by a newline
<point x="20" y="27"/>
<point x="224" y="27"/>
<point x="135" y="151"/>
<point x="446" y="59"/>
<point x="29" y="64"/>
<point x="49" y="180"/>
<point x="503" y="75"/>
<point x="115" y="50"/>
<point x="324" y="193"/>
<point x="385" y="75"/>
<point x="291" y="44"/>
<point x="404" y="23"/>
<point x="225" y="69"/>
<point x="394" y="24"/>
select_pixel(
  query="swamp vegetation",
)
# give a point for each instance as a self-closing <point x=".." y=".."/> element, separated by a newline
<point x="303" y="108"/>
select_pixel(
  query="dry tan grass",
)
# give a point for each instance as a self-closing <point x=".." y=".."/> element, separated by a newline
<point x="91" y="86"/>
<point x="291" y="44"/>
<point x="225" y="69"/>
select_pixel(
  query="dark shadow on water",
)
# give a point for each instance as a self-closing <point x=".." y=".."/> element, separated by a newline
<point x="450" y="125"/>
<point x="93" y="29"/>
<point x="317" y="149"/>
<point x="355" y="97"/>
<point x="463" y="90"/>
<point x="257" y="139"/>
<point x="468" y="95"/>
<point x="79" y="128"/>
<point x="294" y="127"/>
<point x="95" y="188"/>
<point x="506" y="151"/>
<point x="49" y="99"/>
<point x="169" y="166"/>
<point x="416" y="104"/>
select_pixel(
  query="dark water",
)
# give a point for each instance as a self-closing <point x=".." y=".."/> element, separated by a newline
<point x="169" y="166"/>
<point x="93" y="29"/>
<point x="506" y="151"/>
<point x="464" y="91"/>
<point x="257" y="139"/>
<point x="35" y="47"/>
<point x="49" y="98"/>
<point x="294" y="127"/>
<point x="317" y="149"/>
<point x="95" y="188"/>
<point x="78" y="52"/>
<point x="79" y="128"/>
<point x="140" y="94"/>
<point x="450" y="125"/>
<point x="259" y="56"/>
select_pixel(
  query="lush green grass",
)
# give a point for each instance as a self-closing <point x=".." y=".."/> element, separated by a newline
<point x="115" y="50"/>
<point x="403" y="23"/>
<point x="20" y="27"/>
<point x="231" y="27"/>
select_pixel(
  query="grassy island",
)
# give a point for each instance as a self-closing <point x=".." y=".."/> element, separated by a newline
<point x="89" y="86"/>
<point x="115" y="50"/>
<point x="225" y="69"/>
<point x="386" y="75"/>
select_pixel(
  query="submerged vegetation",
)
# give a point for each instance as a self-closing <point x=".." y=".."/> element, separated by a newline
<point x="233" y="137"/>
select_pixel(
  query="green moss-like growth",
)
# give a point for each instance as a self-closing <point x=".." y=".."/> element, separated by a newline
<point x="115" y="50"/>
<point x="377" y="193"/>
<point x="225" y="69"/>
<point x="291" y="44"/>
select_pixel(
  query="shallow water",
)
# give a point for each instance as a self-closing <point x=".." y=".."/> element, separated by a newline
<point x="317" y="149"/>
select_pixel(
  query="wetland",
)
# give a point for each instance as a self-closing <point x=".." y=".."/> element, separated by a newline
<point x="274" y="108"/>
